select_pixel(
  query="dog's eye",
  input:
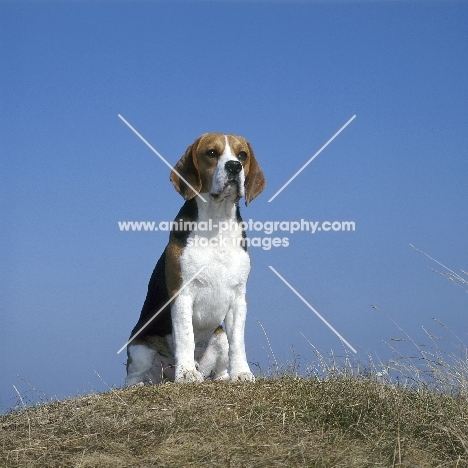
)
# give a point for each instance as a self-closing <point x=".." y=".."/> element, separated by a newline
<point x="242" y="156"/>
<point x="212" y="153"/>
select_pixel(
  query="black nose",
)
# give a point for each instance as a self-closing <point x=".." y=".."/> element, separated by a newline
<point x="233" y="167"/>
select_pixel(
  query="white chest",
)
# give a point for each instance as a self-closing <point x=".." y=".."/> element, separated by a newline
<point x="224" y="266"/>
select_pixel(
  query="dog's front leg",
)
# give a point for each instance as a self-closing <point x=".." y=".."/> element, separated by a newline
<point x="183" y="339"/>
<point x="235" y="324"/>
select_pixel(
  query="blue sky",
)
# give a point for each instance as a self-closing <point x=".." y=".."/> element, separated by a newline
<point x="286" y="76"/>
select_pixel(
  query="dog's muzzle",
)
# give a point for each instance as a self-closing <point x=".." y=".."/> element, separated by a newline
<point x="232" y="169"/>
<point x="228" y="180"/>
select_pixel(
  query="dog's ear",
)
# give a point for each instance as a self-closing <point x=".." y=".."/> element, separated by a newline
<point x="254" y="180"/>
<point x="187" y="168"/>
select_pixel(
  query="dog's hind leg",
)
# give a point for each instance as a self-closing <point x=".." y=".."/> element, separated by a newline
<point x="149" y="361"/>
<point x="140" y="359"/>
<point x="215" y="359"/>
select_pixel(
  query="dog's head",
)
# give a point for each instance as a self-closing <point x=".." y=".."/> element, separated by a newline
<point x="224" y="166"/>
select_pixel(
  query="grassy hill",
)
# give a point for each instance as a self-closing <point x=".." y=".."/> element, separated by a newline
<point x="288" y="421"/>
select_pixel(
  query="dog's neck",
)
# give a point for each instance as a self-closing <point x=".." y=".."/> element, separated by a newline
<point x="223" y="210"/>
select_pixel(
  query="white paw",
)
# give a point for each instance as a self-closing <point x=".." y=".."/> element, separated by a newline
<point x="184" y="375"/>
<point x="135" y="385"/>
<point x="242" y="377"/>
<point x="133" y="382"/>
<point x="222" y="377"/>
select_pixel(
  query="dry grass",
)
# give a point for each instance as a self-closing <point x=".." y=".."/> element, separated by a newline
<point x="289" y="421"/>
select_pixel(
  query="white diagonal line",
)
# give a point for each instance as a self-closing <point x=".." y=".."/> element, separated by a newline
<point x="312" y="158"/>
<point x="161" y="309"/>
<point x="312" y="309"/>
<point x="159" y="155"/>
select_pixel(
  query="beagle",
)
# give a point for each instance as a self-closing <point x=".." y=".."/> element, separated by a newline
<point x="202" y="274"/>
